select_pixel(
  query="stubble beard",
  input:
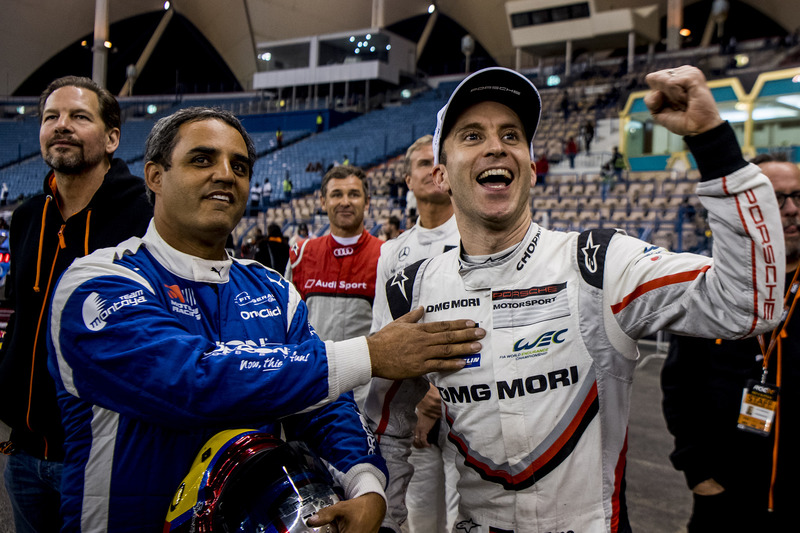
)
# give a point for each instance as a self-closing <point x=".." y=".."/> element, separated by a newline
<point x="70" y="163"/>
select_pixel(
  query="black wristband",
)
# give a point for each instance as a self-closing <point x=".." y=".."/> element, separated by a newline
<point x="716" y="151"/>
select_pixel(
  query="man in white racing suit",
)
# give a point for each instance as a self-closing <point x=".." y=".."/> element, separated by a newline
<point x="539" y="417"/>
<point x="431" y="497"/>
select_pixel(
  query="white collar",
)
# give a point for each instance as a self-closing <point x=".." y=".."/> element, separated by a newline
<point x="184" y="265"/>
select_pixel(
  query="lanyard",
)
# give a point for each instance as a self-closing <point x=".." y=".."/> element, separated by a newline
<point x="789" y="302"/>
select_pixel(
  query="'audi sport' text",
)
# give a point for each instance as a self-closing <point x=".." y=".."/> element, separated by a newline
<point x="333" y="284"/>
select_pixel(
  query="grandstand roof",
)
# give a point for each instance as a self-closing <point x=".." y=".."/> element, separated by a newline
<point x="33" y="31"/>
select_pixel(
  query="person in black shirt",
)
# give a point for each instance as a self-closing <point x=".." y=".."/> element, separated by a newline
<point x="729" y="470"/>
<point x="273" y="250"/>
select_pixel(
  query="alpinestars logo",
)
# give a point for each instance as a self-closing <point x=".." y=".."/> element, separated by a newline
<point x="400" y="279"/>
<point x="467" y="525"/>
<point x="590" y="254"/>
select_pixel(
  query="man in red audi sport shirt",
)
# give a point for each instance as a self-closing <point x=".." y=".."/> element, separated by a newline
<point x="539" y="418"/>
<point x="335" y="274"/>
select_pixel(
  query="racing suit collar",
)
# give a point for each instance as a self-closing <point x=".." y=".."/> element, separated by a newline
<point x="481" y="274"/>
<point x="185" y="265"/>
<point x="333" y="243"/>
<point x="427" y="236"/>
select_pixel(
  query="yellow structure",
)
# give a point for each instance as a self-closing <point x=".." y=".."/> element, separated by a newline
<point x="765" y="119"/>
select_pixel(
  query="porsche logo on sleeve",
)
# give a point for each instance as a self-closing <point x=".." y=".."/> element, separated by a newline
<point x="592" y="247"/>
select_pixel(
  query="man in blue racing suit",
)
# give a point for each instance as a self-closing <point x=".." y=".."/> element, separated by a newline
<point x="539" y="418"/>
<point x="163" y="341"/>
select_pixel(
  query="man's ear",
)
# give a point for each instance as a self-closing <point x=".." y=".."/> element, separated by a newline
<point x="533" y="174"/>
<point x="112" y="143"/>
<point x="153" y="174"/>
<point x="408" y="183"/>
<point x="322" y="201"/>
<point x="441" y="178"/>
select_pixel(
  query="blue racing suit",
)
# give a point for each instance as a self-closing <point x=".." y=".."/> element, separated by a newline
<point x="154" y="351"/>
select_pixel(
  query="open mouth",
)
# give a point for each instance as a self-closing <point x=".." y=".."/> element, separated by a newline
<point x="495" y="178"/>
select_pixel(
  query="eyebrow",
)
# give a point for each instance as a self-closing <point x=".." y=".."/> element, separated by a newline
<point x="208" y="150"/>
<point x="479" y="126"/>
<point x="470" y="126"/>
<point x="71" y="111"/>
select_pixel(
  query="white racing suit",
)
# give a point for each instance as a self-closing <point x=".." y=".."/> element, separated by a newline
<point x="539" y="417"/>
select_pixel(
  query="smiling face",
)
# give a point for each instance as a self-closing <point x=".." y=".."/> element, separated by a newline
<point x="73" y="137"/>
<point x="345" y="201"/>
<point x="202" y="195"/>
<point x="489" y="173"/>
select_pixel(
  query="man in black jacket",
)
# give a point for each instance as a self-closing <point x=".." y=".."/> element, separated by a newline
<point x="730" y="469"/>
<point x="90" y="201"/>
<point x="273" y="250"/>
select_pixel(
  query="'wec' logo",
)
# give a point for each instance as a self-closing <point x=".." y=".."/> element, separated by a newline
<point x="545" y="339"/>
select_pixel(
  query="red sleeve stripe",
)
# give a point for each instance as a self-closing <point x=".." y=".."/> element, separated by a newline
<point x="755" y="292"/>
<point x="619" y="475"/>
<point x="387" y="402"/>
<point x="672" y="279"/>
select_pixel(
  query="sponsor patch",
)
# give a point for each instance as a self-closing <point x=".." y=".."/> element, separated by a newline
<point x="515" y="388"/>
<point x="467" y="526"/>
<point x="528" y="347"/>
<point x="261" y="313"/>
<point x="243" y="298"/>
<point x="473" y="360"/>
<point x="524" y="307"/>
<point x="182" y="301"/>
<point x="592" y="247"/>
<point x="653" y="253"/>
<point x="333" y="284"/>
<point x="452" y="304"/>
<point x="528" y="253"/>
<point x="344" y="251"/>
<point x="96" y="311"/>
<point x="271" y="357"/>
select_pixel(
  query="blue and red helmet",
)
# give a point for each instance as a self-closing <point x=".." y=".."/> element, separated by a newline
<point x="252" y="482"/>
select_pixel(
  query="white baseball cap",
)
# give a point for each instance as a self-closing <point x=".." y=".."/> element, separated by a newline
<point x="496" y="84"/>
